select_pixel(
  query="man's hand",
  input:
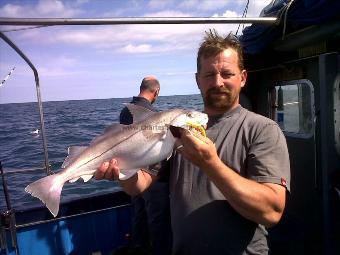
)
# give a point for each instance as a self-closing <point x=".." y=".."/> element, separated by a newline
<point x="133" y="186"/>
<point x="108" y="170"/>
<point x="198" y="149"/>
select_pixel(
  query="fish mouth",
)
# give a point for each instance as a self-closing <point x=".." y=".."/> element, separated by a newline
<point x="192" y="127"/>
<point x="175" y="131"/>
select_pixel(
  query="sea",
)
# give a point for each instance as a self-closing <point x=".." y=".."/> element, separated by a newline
<point x="67" y="123"/>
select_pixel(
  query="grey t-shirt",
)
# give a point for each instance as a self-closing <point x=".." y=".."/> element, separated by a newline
<point x="203" y="221"/>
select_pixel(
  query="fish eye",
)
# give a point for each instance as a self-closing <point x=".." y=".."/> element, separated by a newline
<point x="190" y="115"/>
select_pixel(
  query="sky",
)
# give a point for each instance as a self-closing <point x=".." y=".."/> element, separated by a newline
<point x="108" y="61"/>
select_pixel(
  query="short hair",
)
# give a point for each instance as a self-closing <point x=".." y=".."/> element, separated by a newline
<point x="150" y="84"/>
<point x="214" y="44"/>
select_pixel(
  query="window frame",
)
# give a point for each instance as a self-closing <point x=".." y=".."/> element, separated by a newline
<point x="273" y="107"/>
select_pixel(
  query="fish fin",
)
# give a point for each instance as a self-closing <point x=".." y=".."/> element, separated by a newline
<point x="48" y="190"/>
<point x="73" y="152"/>
<point x="139" y="113"/>
<point x="86" y="177"/>
<point x="126" y="174"/>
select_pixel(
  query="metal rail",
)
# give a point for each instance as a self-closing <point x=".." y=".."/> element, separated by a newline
<point x="134" y="21"/>
<point x="70" y="216"/>
<point x="41" y="114"/>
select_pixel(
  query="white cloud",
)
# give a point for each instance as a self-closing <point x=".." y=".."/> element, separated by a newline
<point x="11" y="10"/>
<point x="62" y="65"/>
<point x="49" y="7"/>
<point x="204" y="5"/>
<point x="78" y="37"/>
<point x="80" y="2"/>
<point x="142" y="48"/>
<point x="227" y="14"/>
<point x="254" y="9"/>
<point x="178" y="73"/>
<point x="103" y="53"/>
<point x="43" y="8"/>
<point x="65" y="61"/>
<point x="157" y="4"/>
<point x="135" y="39"/>
<point x="132" y="38"/>
<point x="168" y="13"/>
<point x="56" y="72"/>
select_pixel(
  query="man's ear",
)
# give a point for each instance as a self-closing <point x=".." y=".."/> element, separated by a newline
<point x="243" y="78"/>
<point x="156" y="93"/>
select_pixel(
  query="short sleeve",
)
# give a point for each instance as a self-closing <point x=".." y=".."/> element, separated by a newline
<point x="268" y="158"/>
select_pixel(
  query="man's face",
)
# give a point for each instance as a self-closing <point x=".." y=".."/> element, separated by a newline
<point x="220" y="81"/>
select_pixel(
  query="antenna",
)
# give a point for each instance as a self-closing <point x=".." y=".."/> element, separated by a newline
<point x="7" y="76"/>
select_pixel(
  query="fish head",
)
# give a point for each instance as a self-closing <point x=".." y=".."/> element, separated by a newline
<point x="189" y="119"/>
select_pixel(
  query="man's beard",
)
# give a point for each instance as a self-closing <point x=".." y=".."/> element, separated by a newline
<point x="220" y="98"/>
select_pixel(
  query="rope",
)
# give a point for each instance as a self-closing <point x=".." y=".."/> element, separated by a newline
<point x="243" y="16"/>
<point x="23" y="28"/>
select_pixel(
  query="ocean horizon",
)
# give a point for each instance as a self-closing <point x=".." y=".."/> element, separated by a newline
<point x="89" y="99"/>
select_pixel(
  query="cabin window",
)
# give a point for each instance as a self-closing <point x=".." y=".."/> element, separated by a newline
<point x="337" y="113"/>
<point x="293" y="107"/>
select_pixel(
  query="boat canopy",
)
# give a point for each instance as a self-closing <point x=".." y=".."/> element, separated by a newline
<point x="292" y="15"/>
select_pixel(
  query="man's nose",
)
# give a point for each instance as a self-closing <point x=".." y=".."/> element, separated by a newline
<point x="218" y="81"/>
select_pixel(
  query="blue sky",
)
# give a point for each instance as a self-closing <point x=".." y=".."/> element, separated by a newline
<point x="87" y="62"/>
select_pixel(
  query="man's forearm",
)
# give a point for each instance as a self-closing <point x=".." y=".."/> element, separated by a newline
<point x="137" y="183"/>
<point x="262" y="203"/>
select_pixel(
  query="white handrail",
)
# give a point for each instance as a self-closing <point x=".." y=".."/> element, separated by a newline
<point x="133" y="21"/>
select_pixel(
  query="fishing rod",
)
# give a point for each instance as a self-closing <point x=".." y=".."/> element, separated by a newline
<point x="7" y="76"/>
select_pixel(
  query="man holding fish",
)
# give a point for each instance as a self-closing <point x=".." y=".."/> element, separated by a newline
<point x="227" y="186"/>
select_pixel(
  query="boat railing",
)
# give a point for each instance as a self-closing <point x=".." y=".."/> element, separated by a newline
<point x="37" y="86"/>
<point x="136" y="21"/>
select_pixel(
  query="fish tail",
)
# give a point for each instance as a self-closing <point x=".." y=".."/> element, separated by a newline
<point x="48" y="190"/>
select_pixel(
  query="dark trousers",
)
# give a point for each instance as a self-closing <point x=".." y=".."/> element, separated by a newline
<point x="151" y="221"/>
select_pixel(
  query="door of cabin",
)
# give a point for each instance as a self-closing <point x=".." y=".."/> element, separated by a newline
<point x="301" y="97"/>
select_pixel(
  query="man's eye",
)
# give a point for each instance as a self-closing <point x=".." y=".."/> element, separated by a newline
<point x="227" y="75"/>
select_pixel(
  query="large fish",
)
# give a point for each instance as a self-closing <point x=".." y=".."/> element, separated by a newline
<point x="145" y="142"/>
